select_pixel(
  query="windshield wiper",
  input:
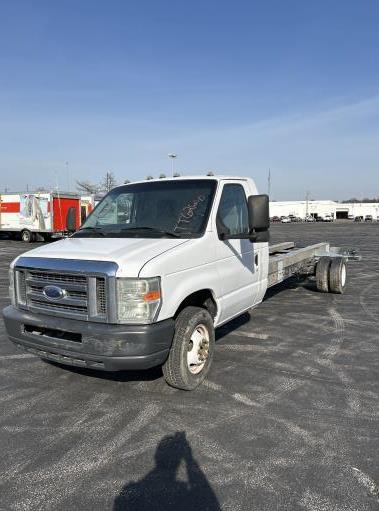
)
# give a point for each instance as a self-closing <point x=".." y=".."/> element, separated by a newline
<point x="152" y="229"/>
<point x="96" y="230"/>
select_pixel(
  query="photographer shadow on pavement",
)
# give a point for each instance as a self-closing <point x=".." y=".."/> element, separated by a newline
<point x="161" y="490"/>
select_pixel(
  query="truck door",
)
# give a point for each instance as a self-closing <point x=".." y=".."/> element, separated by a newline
<point x="237" y="259"/>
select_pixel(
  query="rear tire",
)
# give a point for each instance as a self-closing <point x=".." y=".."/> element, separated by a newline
<point x="192" y="349"/>
<point x="27" y="236"/>
<point x="322" y="274"/>
<point x="337" y="275"/>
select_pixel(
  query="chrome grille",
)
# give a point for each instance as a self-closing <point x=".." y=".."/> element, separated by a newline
<point x="101" y="298"/>
<point x="88" y="287"/>
<point x="75" y="288"/>
<point x="60" y="306"/>
<point x="69" y="293"/>
<point x="57" y="277"/>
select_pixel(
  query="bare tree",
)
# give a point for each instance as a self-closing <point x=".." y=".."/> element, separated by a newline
<point x="87" y="187"/>
<point x="108" y="182"/>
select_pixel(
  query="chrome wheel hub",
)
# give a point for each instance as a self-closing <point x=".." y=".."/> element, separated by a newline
<point x="198" y="349"/>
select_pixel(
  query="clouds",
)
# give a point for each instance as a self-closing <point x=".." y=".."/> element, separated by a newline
<point x="332" y="151"/>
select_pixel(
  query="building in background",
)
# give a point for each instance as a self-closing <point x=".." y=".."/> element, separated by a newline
<point x="323" y="208"/>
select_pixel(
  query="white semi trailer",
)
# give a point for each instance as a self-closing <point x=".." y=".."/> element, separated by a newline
<point x="155" y="268"/>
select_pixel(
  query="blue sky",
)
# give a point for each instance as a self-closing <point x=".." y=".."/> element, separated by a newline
<point x="234" y="87"/>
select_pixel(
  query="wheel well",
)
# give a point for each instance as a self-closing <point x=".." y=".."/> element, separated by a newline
<point x="203" y="298"/>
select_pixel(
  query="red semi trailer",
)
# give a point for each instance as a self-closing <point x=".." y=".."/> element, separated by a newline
<point x="46" y="213"/>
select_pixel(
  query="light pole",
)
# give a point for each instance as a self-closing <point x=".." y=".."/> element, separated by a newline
<point x="172" y="156"/>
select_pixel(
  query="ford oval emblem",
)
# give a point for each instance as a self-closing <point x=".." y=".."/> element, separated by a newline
<point x="54" y="292"/>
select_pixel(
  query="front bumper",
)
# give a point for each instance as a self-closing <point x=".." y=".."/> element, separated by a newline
<point x="87" y="344"/>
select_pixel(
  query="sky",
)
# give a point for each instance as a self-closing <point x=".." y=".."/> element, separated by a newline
<point x="235" y="87"/>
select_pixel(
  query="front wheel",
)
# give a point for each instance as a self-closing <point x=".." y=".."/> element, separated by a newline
<point x="192" y="349"/>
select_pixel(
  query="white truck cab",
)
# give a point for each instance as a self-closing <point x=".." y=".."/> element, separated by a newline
<point x="153" y="270"/>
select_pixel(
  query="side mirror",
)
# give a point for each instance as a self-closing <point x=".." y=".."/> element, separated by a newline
<point x="259" y="218"/>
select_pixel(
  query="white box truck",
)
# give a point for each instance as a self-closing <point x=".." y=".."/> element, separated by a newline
<point x="155" y="268"/>
<point x="49" y="214"/>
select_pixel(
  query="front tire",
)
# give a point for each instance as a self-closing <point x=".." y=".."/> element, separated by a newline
<point x="192" y="349"/>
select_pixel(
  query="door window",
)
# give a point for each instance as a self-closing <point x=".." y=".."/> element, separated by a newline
<point x="232" y="210"/>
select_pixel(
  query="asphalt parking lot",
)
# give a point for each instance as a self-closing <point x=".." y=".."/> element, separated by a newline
<point x="288" y="418"/>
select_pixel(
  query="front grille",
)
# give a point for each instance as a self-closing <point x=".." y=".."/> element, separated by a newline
<point x="70" y="292"/>
<point x="58" y="306"/>
<point x="75" y="288"/>
<point x="57" y="277"/>
<point x="101" y="297"/>
<point x="86" y="288"/>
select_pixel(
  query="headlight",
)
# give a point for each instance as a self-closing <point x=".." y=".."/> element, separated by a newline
<point x="12" y="294"/>
<point x="138" y="300"/>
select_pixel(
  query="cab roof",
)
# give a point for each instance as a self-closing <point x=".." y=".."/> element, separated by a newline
<point x="186" y="178"/>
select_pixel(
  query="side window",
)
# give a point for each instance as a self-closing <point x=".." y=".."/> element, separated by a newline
<point x="232" y="210"/>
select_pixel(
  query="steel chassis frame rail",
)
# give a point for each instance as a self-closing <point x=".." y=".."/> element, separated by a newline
<point x="286" y="260"/>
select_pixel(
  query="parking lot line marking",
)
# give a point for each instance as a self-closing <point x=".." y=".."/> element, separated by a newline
<point x="20" y="355"/>
<point x="367" y="482"/>
<point x="248" y="347"/>
<point x="251" y="334"/>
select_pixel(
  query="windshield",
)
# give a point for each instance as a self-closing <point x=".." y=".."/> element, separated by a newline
<point x="153" y="209"/>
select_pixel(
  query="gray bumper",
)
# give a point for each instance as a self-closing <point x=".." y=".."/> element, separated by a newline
<point x="87" y="344"/>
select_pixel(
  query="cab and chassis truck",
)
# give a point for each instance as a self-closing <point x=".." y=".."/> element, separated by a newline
<point x="155" y="268"/>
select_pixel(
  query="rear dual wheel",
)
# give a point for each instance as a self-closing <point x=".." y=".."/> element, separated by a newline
<point x="331" y="275"/>
<point x="337" y="275"/>
<point x="192" y="349"/>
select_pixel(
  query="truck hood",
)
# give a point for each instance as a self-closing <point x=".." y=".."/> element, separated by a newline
<point x="131" y="254"/>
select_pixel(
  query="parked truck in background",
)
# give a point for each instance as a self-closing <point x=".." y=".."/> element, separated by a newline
<point x="46" y="213"/>
<point x="155" y="268"/>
